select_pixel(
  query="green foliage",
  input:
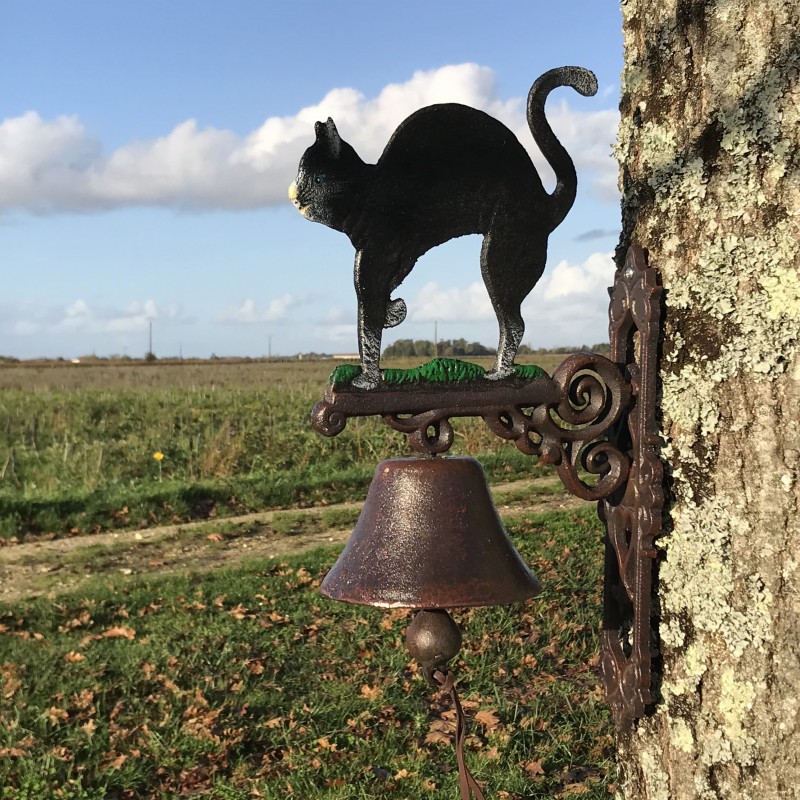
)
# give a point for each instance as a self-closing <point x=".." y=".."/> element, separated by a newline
<point x="246" y="683"/>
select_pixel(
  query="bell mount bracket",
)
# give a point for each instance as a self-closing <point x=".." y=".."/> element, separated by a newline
<point x="595" y="415"/>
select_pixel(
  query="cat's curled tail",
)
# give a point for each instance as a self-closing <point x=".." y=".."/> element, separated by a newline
<point x="584" y="82"/>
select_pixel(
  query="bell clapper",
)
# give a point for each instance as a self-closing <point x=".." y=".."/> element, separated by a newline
<point x="433" y="638"/>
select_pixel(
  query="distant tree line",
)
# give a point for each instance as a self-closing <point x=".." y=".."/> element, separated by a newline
<point x="460" y="347"/>
<point x="446" y="347"/>
<point x="601" y="348"/>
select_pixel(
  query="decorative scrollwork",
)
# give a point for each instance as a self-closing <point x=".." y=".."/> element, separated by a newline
<point x="327" y="420"/>
<point x="562" y="419"/>
<point x="593" y="390"/>
<point x="429" y="432"/>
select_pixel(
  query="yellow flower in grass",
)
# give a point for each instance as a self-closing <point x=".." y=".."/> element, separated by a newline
<point x="158" y="456"/>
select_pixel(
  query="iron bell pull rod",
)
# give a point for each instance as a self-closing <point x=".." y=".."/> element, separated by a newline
<point x="468" y="783"/>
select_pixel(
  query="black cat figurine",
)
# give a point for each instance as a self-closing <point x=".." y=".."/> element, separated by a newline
<point x="447" y="171"/>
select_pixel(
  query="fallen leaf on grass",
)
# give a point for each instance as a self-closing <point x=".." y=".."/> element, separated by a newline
<point x="534" y="767"/>
<point x="303" y="575"/>
<point x="488" y="719"/>
<point x="214" y="537"/>
<point x="371" y="692"/>
<point x="82" y="700"/>
<point x="74" y="656"/>
<point x="432" y="737"/>
<point x="441" y="730"/>
<point x="12" y="752"/>
<point x="325" y="744"/>
<point x="19" y="749"/>
<point x="572" y="789"/>
<point x="61" y="753"/>
<point x="55" y="715"/>
<point x="119" y="632"/>
<point x="113" y="760"/>
<point x="239" y="612"/>
<point x="83" y="620"/>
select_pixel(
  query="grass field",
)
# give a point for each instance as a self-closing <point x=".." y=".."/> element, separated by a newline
<point x="245" y="683"/>
<point x="77" y="444"/>
<point x="234" y="679"/>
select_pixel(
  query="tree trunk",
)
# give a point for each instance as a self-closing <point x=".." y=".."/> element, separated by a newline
<point x="709" y="147"/>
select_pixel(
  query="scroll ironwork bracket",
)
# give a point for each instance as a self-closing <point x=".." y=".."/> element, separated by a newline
<point x="595" y="416"/>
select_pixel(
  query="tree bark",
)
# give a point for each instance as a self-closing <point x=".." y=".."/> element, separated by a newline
<point x="709" y="147"/>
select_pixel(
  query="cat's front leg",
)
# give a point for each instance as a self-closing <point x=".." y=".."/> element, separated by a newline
<point x="373" y="306"/>
<point x="369" y="346"/>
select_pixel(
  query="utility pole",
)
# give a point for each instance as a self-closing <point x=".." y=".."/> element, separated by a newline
<point x="436" y="339"/>
<point x="150" y="339"/>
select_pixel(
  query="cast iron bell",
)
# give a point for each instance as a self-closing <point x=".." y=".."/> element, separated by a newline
<point x="429" y="537"/>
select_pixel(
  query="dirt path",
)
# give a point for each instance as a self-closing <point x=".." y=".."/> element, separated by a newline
<point x="61" y="565"/>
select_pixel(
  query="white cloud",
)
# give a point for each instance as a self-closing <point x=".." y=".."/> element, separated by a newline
<point x="341" y="333"/>
<point x="81" y="318"/>
<point x="569" y="305"/>
<point x="49" y="166"/>
<point x="589" y="278"/>
<point x="337" y="327"/>
<point x="248" y="313"/>
<point x="340" y="316"/>
<point x="433" y="303"/>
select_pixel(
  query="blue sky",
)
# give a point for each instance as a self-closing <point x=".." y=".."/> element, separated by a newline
<point x="146" y="148"/>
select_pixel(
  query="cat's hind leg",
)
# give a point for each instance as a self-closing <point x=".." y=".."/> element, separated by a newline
<point x="511" y="264"/>
<point x="512" y="329"/>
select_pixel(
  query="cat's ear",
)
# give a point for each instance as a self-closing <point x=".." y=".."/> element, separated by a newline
<point x="327" y="131"/>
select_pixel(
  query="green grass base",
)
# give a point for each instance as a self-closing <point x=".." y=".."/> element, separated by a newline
<point x="438" y="370"/>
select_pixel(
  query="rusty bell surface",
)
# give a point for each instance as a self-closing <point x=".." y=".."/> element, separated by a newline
<point x="429" y="537"/>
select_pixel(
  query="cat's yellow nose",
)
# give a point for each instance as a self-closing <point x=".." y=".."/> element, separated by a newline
<point x="293" y="191"/>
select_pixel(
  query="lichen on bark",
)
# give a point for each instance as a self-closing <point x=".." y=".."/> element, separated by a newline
<point x="709" y="151"/>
